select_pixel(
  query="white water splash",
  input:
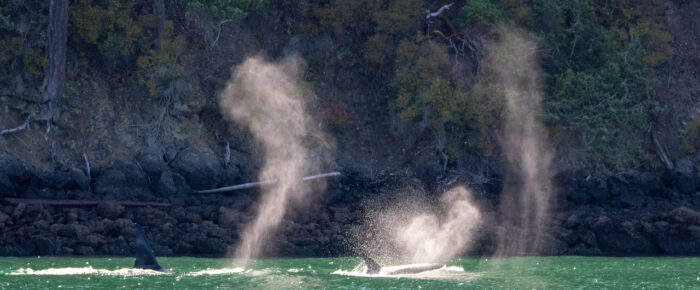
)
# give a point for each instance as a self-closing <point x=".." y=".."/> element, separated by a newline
<point x="444" y="273"/>
<point x="410" y="228"/>
<point x="86" y="271"/>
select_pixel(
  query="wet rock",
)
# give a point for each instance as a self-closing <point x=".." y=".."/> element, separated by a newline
<point x="80" y="178"/>
<point x="209" y="246"/>
<point x="199" y="166"/>
<point x="119" y="227"/>
<point x="122" y="180"/>
<point x="677" y="241"/>
<point x="74" y="231"/>
<point x="109" y="209"/>
<point x="622" y="238"/>
<point x="43" y="246"/>
<point x="85" y="251"/>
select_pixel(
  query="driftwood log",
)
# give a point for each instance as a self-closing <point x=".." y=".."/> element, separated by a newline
<point x="264" y="182"/>
<point x="81" y="202"/>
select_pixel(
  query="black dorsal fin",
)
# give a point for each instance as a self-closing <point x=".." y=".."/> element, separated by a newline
<point x="145" y="259"/>
<point x="372" y="266"/>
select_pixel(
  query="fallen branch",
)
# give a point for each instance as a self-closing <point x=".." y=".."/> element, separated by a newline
<point x="18" y="128"/>
<point x="81" y="202"/>
<point x="436" y="13"/>
<point x="660" y="149"/>
<point x="219" y="32"/>
<point x="264" y="182"/>
<point x="87" y="165"/>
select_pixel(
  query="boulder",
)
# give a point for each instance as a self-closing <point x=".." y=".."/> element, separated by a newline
<point x="43" y="245"/>
<point x="199" y="166"/>
<point x="75" y="231"/>
<point x="122" y="180"/>
<point x="152" y="163"/>
<point x="622" y="238"/>
<point x="109" y="209"/>
<point x="684" y="166"/>
<point x="80" y="178"/>
<point x="687" y="183"/>
<point x="578" y="197"/>
<point x="12" y="172"/>
<point x="652" y="184"/>
<point x="166" y="184"/>
<point x="684" y="215"/>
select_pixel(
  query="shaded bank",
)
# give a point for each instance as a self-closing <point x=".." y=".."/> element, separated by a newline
<point x="648" y="213"/>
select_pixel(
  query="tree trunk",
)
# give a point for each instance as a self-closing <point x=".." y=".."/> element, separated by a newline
<point x="55" y="79"/>
<point x="159" y="13"/>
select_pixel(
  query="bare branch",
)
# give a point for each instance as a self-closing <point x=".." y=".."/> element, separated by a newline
<point x="219" y="32"/>
<point x="436" y="13"/>
<point x="264" y="182"/>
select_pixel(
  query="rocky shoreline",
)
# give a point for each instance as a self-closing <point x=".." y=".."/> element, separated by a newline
<point x="649" y="213"/>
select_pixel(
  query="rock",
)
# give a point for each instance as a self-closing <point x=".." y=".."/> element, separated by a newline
<point x="19" y="210"/>
<point x="652" y="184"/>
<point x="684" y="166"/>
<point x="122" y="180"/>
<point x="12" y="172"/>
<point x="152" y="163"/>
<point x="109" y="209"/>
<point x="199" y="166"/>
<point x="684" y="215"/>
<point x="166" y="184"/>
<point x="4" y="218"/>
<point x="80" y="178"/>
<point x="43" y="246"/>
<point x="75" y="231"/>
<point x="677" y="242"/>
<point x="622" y="238"/>
<point x="119" y="227"/>
<point x="599" y="192"/>
<point x="61" y="180"/>
<point x="687" y="184"/>
<point x="629" y="200"/>
<point x="578" y="197"/>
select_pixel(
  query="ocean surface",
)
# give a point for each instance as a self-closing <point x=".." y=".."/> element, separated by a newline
<point x="334" y="273"/>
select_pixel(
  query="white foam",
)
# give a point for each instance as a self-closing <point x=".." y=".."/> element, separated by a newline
<point x="217" y="271"/>
<point x="444" y="273"/>
<point x="85" y="271"/>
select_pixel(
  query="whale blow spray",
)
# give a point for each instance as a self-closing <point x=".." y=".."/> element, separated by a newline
<point x="265" y="97"/>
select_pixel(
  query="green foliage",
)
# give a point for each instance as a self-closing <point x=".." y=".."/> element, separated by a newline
<point x="400" y="19"/>
<point x="479" y="12"/>
<point x="160" y="68"/>
<point x="691" y="137"/>
<point x="217" y="10"/>
<point x="21" y="41"/>
<point x="598" y="94"/>
<point x="114" y="27"/>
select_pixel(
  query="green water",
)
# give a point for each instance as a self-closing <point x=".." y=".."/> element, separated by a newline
<point x="512" y="273"/>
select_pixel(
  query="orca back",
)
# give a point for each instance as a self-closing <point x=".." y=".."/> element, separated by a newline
<point x="145" y="258"/>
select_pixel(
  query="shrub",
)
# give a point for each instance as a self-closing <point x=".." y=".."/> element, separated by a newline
<point x="479" y="12"/>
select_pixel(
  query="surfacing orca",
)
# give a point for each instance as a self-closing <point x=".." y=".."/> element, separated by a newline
<point x="145" y="258"/>
<point x="373" y="268"/>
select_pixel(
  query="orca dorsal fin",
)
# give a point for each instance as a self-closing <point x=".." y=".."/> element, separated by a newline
<point x="372" y="266"/>
<point x="145" y="258"/>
